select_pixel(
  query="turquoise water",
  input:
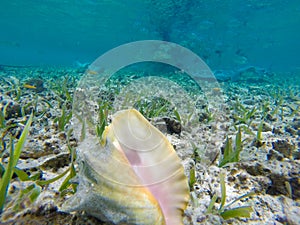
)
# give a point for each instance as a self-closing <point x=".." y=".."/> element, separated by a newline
<point x="228" y="34"/>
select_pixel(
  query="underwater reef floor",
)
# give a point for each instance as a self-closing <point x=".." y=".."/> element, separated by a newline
<point x="263" y="106"/>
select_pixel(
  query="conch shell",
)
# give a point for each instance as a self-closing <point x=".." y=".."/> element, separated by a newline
<point x="133" y="177"/>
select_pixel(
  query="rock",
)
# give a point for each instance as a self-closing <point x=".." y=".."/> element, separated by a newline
<point x="278" y="130"/>
<point x="291" y="210"/>
<point x="279" y="172"/>
<point x="285" y="147"/>
<point x="173" y="126"/>
<point x="267" y="127"/>
<point x="274" y="155"/>
<point x="13" y="110"/>
<point x="271" y="117"/>
<point x="271" y="207"/>
<point x="291" y="130"/>
<point x="55" y="162"/>
<point x="255" y="168"/>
